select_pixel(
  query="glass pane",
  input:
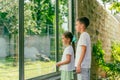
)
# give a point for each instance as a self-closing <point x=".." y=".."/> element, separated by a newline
<point x="9" y="40"/>
<point x="63" y="23"/>
<point x="39" y="38"/>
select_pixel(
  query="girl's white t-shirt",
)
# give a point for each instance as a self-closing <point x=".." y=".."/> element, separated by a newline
<point x="70" y="66"/>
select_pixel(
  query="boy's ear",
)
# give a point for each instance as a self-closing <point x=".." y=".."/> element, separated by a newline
<point x="83" y="26"/>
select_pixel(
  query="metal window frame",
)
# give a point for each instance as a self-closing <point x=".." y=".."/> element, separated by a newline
<point x="57" y="31"/>
<point x="21" y="39"/>
<point x="71" y="16"/>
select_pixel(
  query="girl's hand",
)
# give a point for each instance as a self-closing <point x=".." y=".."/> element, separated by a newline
<point x="78" y="69"/>
<point x="58" y="64"/>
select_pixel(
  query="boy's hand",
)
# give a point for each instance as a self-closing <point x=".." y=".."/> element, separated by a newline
<point x="58" y="64"/>
<point x="78" y="69"/>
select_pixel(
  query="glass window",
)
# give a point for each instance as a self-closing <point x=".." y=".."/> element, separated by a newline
<point x="63" y="23"/>
<point x="39" y="37"/>
<point x="9" y="69"/>
<point x="39" y="47"/>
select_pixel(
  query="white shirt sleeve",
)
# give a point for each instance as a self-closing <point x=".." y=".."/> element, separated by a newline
<point x="69" y="51"/>
<point x="83" y="40"/>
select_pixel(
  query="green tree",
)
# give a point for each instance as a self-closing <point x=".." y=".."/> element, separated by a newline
<point x="9" y="16"/>
<point x="43" y="13"/>
<point x="114" y="5"/>
<point x="39" y="15"/>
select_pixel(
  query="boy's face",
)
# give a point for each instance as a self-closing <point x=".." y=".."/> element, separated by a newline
<point x="79" y="26"/>
<point x="65" y="41"/>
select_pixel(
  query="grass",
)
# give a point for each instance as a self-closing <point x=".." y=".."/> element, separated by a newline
<point x="32" y="69"/>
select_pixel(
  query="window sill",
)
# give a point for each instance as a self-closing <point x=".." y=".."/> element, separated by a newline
<point x="51" y="76"/>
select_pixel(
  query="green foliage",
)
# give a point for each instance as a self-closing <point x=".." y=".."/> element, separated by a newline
<point x="43" y="13"/>
<point x="2" y="17"/>
<point x="112" y="69"/>
<point x="98" y="52"/>
<point x="116" y="51"/>
<point x="9" y="59"/>
<point x="106" y="0"/>
<point x="9" y="16"/>
<point x="63" y="10"/>
<point x="114" y="5"/>
<point x="39" y="16"/>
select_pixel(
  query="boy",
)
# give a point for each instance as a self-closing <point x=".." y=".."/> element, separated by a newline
<point x="83" y="52"/>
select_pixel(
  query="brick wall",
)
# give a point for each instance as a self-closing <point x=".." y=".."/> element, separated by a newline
<point x="103" y="26"/>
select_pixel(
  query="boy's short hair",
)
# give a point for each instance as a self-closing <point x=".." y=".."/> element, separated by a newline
<point x="84" y="20"/>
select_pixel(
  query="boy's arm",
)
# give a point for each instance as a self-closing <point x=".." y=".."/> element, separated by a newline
<point x="68" y="60"/>
<point x="78" y="68"/>
<point x="82" y="55"/>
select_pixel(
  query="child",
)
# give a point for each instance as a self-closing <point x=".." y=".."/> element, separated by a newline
<point x="83" y="52"/>
<point x="67" y="63"/>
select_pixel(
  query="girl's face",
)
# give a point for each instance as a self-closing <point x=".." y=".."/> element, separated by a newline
<point x="65" y="40"/>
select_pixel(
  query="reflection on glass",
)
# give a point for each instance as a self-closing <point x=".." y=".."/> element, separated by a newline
<point x="9" y="40"/>
<point x="39" y="58"/>
<point x="39" y="46"/>
<point x="63" y="23"/>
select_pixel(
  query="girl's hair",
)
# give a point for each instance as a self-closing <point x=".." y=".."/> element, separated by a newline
<point x="69" y="35"/>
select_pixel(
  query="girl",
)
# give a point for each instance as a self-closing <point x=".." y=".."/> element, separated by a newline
<point x="67" y="63"/>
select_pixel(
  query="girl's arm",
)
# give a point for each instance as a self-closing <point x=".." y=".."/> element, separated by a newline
<point x="68" y="60"/>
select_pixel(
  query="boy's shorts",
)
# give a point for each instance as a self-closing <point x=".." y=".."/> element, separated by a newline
<point x="84" y="75"/>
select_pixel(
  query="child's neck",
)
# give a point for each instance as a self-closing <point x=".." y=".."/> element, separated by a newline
<point x="67" y="45"/>
<point x="82" y="31"/>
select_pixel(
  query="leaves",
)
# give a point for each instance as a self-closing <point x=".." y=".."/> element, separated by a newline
<point x="39" y="16"/>
<point x="114" y="5"/>
<point x="116" y="51"/>
<point x="112" y="68"/>
<point x="98" y="52"/>
<point x="42" y="13"/>
<point x="9" y="17"/>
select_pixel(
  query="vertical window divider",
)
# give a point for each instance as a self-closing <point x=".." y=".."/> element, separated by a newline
<point x="21" y="39"/>
<point x="57" y="30"/>
<point x="71" y="20"/>
<point x="71" y="15"/>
